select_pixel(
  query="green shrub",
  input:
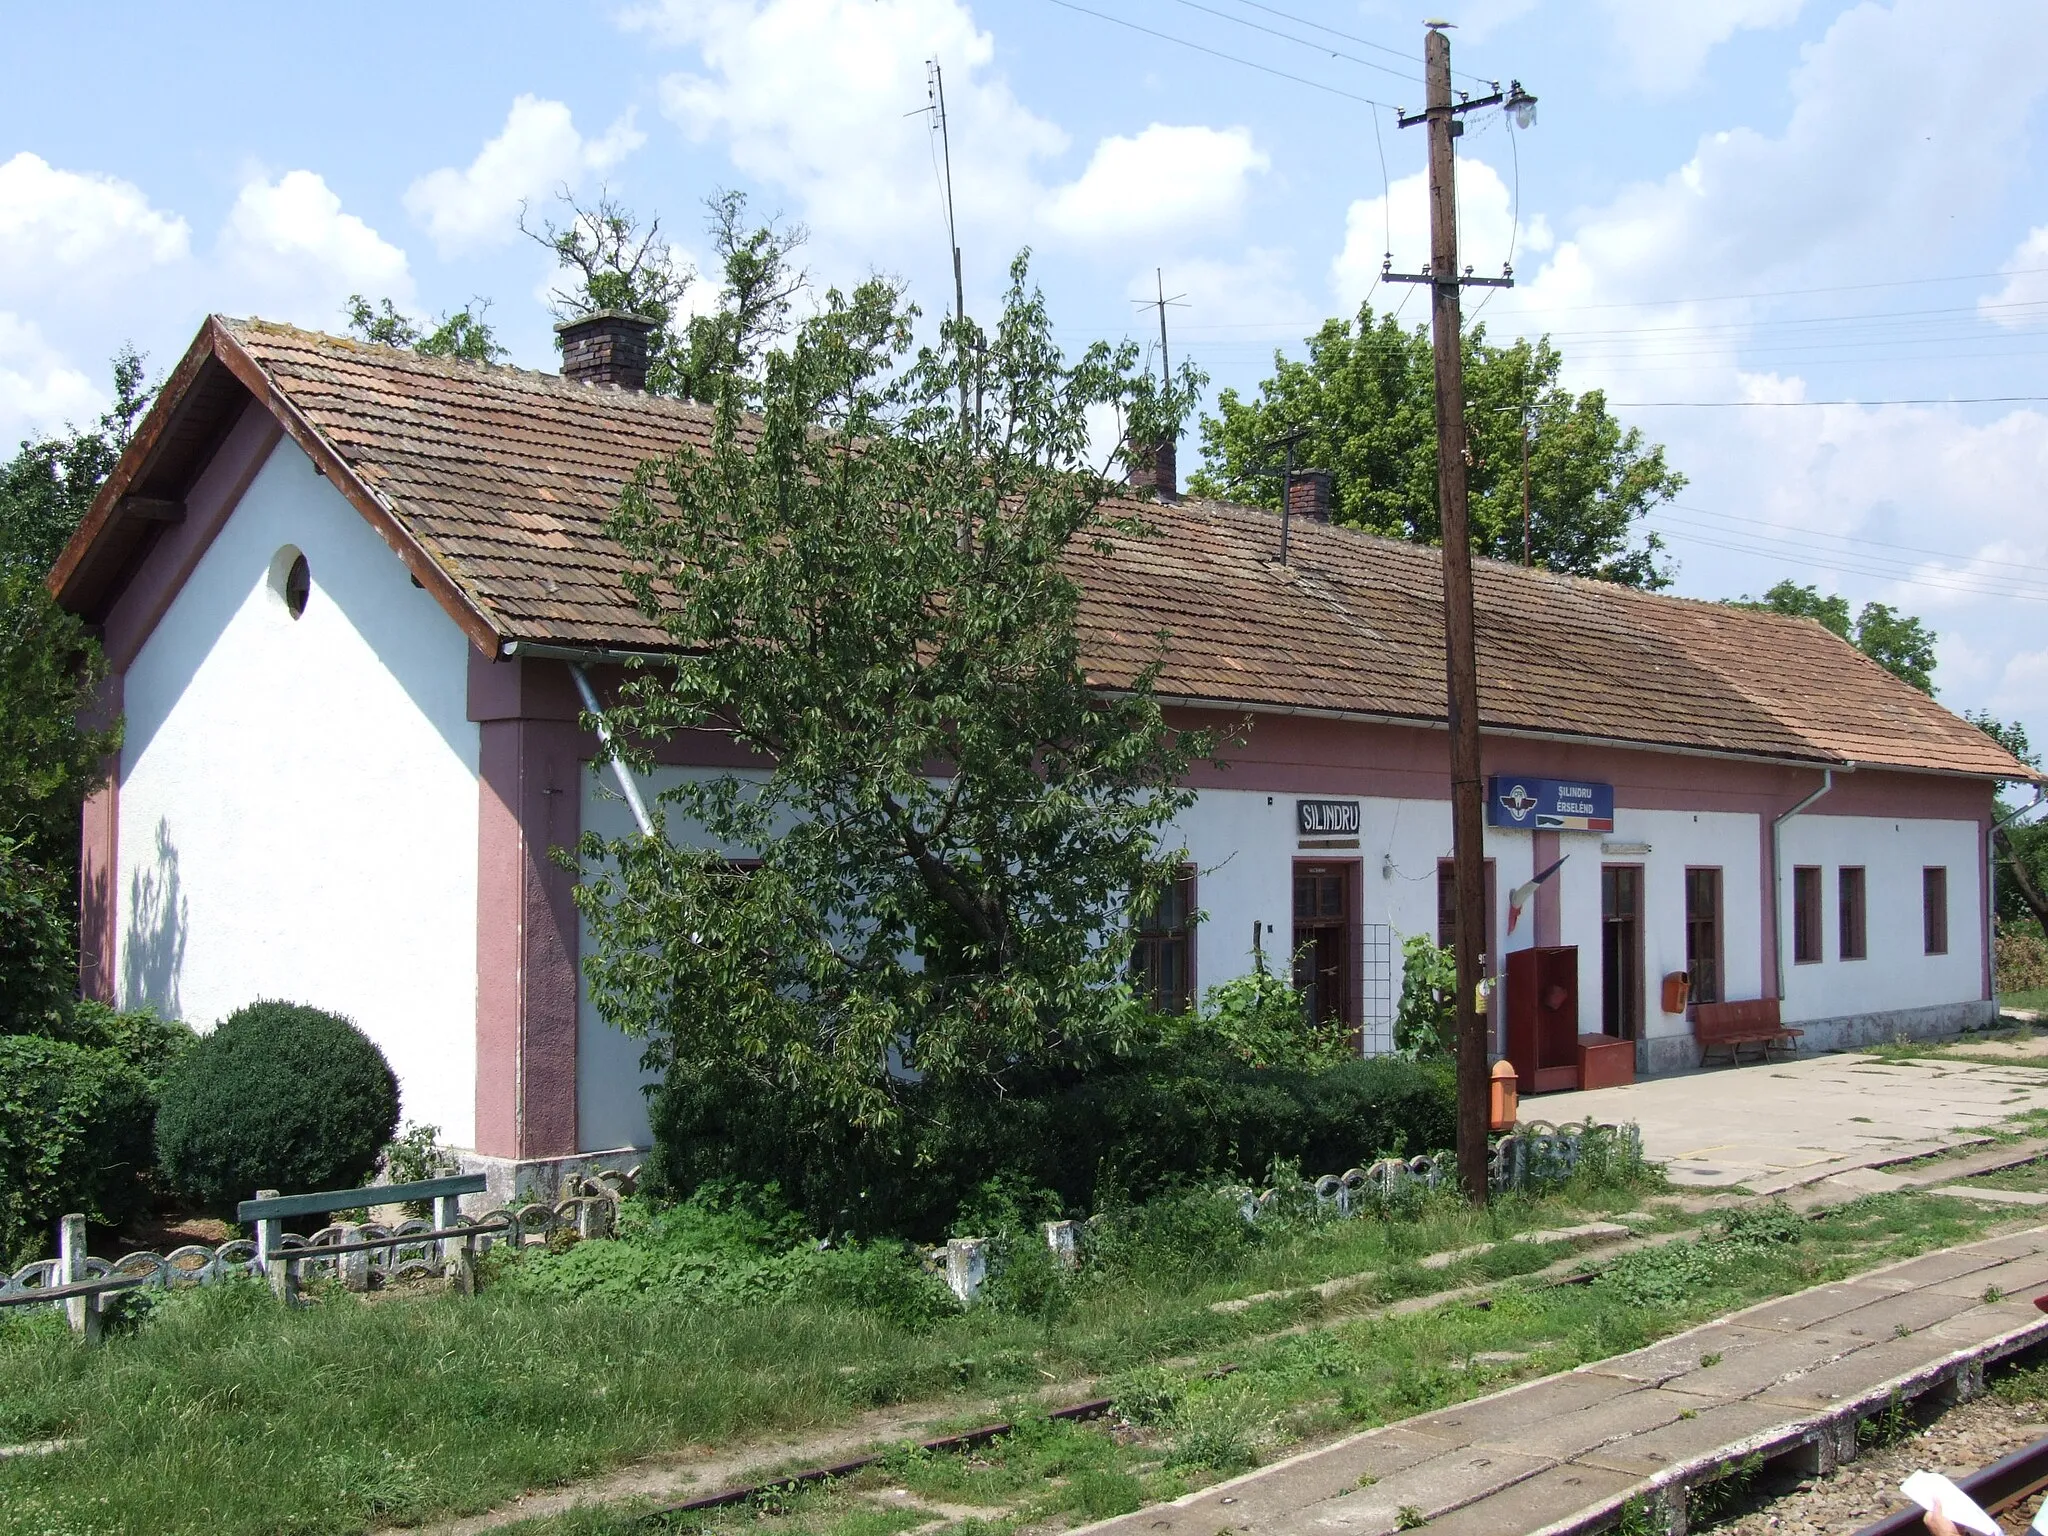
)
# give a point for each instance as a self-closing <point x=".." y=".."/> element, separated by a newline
<point x="146" y="1042"/>
<point x="2022" y="957"/>
<point x="1125" y="1132"/>
<point x="734" y="1246"/>
<point x="278" y="1096"/>
<point x="1262" y="1020"/>
<point x="74" y="1136"/>
<point x="1426" y="1023"/>
<point x="38" y="963"/>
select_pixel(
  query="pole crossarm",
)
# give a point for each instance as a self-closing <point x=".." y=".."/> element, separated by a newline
<point x="1467" y="104"/>
<point x="1505" y="280"/>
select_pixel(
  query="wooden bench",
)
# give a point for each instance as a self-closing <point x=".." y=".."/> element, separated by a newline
<point x="278" y="1263"/>
<point x="1731" y="1026"/>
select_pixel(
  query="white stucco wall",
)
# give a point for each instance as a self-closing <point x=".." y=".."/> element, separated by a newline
<point x="1244" y="845"/>
<point x="298" y="798"/>
<point x="611" y="1101"/>
<point x="1898" y="972"/>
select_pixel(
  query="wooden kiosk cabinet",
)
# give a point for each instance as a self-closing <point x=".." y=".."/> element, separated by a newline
<point x="1543" y="1017"/>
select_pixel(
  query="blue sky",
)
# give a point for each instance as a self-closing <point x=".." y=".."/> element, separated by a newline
<point x="1725" y="201"/>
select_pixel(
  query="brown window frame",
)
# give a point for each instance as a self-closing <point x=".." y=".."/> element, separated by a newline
<point x="1713" y="988"/>
<point x="1152" y="943"/>
<point x="1852" y="912"/>
<point x="1622" y="1016"/>
<point x="1809" y="940"/>
<point x="1934" y="908"/>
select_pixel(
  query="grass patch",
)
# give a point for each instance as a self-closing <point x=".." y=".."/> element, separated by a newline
<point x="220" y="1412"/>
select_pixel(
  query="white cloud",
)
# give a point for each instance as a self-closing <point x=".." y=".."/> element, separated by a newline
<point x="1486" y="230"/>
<point x="290" y="253"/>
<point x="816" y="96"/>
<point x="61" y="227"/>
<point x="821" y="99"/>
<point x="39" y="389"/>
<point x="1163" y="180"/>
<point x="537" y="151"/>
<point x="1663" y="45"/>
<point x="2027" y="285"/>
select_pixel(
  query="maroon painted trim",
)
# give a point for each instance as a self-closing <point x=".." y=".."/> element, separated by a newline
<point x="1544" y="848"/>
<point x="529" y="802"/>
<point x="99" y="865"/>
<point x="213" y="496"/>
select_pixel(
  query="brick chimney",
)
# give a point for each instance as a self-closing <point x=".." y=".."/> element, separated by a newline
<point x="607" y="347"/>
<point x="1156" y="471"/>
<point x="1308" y="495"/>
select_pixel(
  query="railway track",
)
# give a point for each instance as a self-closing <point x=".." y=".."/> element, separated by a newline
<point x="2005" y="1484"/>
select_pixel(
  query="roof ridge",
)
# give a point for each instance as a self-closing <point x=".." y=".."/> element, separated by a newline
<point x="381" y="353"/>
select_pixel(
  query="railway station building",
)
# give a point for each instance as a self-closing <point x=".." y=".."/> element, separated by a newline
<point x="345" y="592"/>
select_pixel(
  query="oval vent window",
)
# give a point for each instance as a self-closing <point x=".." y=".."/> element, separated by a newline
<point x="291" y="579"/>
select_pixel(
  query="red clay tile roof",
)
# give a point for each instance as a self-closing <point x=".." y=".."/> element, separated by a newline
<point x="504" y="478"/>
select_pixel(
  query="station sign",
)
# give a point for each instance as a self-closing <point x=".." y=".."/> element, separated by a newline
<point x="1326" y="818"/>
<point x="1526" y="804"/>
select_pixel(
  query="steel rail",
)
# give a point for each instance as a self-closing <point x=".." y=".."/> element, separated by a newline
<point x="1997" y="1488"/>
<point x="967" y="1440"/>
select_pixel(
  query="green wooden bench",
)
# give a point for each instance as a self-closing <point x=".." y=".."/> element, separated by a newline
<point x="456" y="1238"/>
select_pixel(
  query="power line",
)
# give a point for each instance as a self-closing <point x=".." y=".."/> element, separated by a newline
<point x="1239" y="21"/>
<point x="1350" y="37"/>
<point x="1854" y="538"/>
<point x="1715" y="405"/>
<point x="1817" y="562"/>
<point x="1787" y="293"/>
<point x="1990" y="583"/>
<point x="1228" y="58"/>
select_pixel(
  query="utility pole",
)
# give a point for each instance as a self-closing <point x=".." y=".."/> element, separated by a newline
<point x="1460" y="634"/>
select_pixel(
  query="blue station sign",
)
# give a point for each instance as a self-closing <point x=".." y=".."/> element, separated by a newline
<point x="1548" y="805"/>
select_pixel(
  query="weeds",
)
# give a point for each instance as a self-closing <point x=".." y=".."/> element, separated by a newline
<point x="406" y="1410"/>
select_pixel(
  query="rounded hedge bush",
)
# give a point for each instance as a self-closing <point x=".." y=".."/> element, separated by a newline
<point x="279" y="1096"/>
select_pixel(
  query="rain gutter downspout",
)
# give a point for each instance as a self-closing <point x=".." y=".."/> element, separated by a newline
<point x="620" y="771"/>
<point x="1778" y="877"/>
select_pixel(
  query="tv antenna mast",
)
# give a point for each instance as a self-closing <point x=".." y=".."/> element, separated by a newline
<point x="935" y="92"/>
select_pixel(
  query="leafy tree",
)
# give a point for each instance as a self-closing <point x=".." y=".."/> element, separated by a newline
<point x="50" y="674"/>
<point x="617" y="264"/>
<point x="859" y="584"/>
<point x="1896" y="641"/>
<point x="2021" y="888"/>
<point x="47" y="486"/>
<point x="464" y="334"/>
<point x="1364" y="398"/>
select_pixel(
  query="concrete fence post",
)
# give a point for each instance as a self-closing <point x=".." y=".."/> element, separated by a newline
<point x="1064" y="1239"/>
<point x="355" y="1267"/>
<point x="458" y="1254"/>
<point x="966" y="1265"/>
<point x="594" y="1217"/>
<point x="82" y="1312"/>
<point x="270" y="1260"/>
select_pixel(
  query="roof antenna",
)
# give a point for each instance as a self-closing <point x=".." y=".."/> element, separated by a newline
<point x="1162" y="304"/>
<point x="935" y="91"/>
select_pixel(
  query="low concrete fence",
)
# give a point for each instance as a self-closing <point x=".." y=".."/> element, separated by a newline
<point x="1528" y="1157"/>
<point x="356" y="1254"/>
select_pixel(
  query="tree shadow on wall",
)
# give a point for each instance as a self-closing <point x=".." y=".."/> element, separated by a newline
<point x="153" y="955"/>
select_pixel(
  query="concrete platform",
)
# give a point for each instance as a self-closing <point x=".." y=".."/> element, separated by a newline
<point x="1773" y="1126"/>
<point x="1561" y="1456"/>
